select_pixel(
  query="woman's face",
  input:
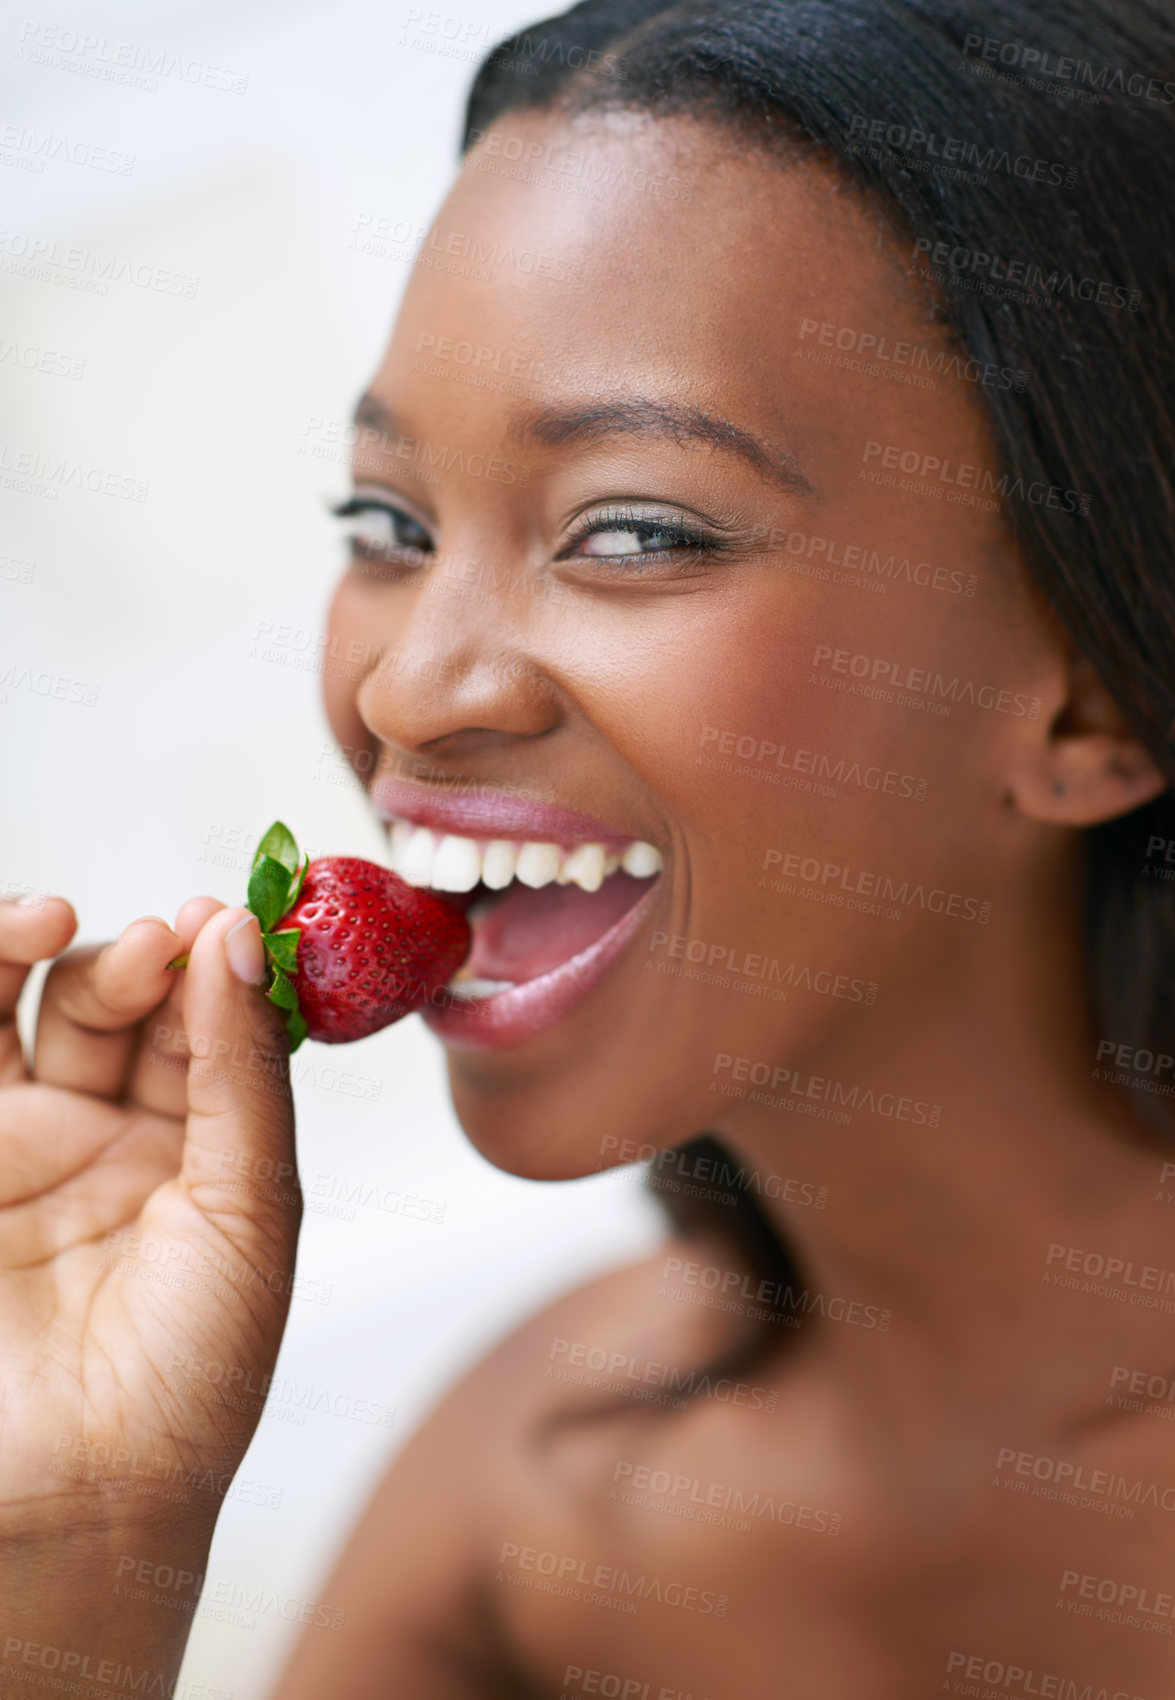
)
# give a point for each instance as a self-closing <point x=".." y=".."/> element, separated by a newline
<point x="669" y="573"/>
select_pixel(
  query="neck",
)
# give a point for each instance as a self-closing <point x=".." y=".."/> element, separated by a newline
<point x="967" y="1230"/>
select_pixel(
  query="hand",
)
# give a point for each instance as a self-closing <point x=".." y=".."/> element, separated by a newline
<point x="138" y="1235"/>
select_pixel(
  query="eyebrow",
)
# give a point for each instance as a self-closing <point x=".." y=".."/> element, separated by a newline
<point x="590" y="422"/>
<point x="376" y="417"/>
<point x="671" y="421"/>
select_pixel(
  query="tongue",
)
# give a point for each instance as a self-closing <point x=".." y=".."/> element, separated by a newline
<point x="530" y="932"/>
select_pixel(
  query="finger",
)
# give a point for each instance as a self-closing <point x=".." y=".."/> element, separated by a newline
<point x="71" y="1169"/>
<point x="193" y="915"/>
<point x="241" y="1119"/>
<point x="158" y="1079"/>
<point x="31" y="930"/>
<point x="93" y="1002"/>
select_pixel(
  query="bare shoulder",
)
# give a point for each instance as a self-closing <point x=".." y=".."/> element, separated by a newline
<point x="501" y="1452"/>
<point x="592" y="1347"/>
<point x="615" y="1350"/>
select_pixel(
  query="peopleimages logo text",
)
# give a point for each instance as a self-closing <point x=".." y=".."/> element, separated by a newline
<point x="1027" y="274"/>
<point x="1106" y="79"/>
<point x="958" y="150"/>
<point x="1024" y="1680"/>
<point x="921" y="681"/>
<point x="979" y="478"/>
<point x="941" y="361"/>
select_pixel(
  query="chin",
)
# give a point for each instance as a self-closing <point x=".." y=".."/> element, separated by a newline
<point x="555" y="1125"/>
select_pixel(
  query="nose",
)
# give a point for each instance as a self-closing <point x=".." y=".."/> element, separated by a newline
<point x="454" y="678"/>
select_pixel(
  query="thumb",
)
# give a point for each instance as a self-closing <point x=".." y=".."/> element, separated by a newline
<point x="239" y="1159"/>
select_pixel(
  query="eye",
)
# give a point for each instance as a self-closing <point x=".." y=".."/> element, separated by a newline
<point x="635" y="539"/>
<point x="383" y="532"/>
<point x="624" y="536"/>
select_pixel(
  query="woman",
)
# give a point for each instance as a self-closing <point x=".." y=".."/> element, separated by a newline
<point x="787" y="544"/>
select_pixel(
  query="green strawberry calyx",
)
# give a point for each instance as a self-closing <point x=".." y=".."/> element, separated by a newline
<point x="275" y="883"/>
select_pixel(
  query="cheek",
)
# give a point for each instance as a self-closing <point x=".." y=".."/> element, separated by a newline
<point x="732" y="693"/>
<point x="341" y="682"/>
<point x="811" y="676"/>
<point x="750" y="724"/>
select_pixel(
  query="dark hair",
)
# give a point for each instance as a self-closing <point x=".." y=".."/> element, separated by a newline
<point x="1066" y="107"/>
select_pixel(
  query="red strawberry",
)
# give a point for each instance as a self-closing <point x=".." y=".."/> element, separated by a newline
<point x="351" y="946"/>
<point x="372" y="948"/>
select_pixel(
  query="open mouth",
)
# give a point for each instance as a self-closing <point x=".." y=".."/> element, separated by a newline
<point x="532" y="906"/>
<point x="548" y="920"/>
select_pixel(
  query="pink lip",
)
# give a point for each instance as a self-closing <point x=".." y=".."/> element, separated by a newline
<point x="510" y="1018"/>
<point x="491" y="815"/>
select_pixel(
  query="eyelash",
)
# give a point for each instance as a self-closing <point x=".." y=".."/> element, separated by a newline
<point x="362" y="549"/>
<point x="687" y="543"/>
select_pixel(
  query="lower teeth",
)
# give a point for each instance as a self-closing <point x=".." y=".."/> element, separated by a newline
<point x="478" y="988"/>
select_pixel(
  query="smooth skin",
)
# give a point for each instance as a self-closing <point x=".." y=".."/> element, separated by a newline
<point x="511" y="652"/>
<point x="128" y="1241"/>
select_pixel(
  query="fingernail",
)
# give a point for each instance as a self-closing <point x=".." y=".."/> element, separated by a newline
<point x="245" y="951"/>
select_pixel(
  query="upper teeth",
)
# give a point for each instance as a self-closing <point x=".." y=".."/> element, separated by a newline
<point x="445" y="862"/>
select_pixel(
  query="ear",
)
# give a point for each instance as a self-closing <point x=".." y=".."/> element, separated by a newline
<point x="1090" y="767"/>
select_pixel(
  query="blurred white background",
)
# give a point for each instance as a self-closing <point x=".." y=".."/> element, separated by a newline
<point x="145" y="740"/>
